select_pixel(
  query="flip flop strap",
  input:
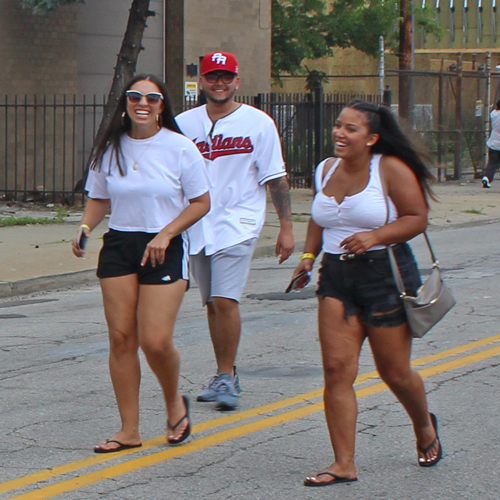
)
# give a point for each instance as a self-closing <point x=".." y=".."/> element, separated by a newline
<point x="173" y="427"/>
<point x="328" y="474"/>
<point x="115" y="441"/>
<point x="429" y="448"/>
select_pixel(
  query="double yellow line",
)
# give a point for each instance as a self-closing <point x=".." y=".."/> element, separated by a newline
<point x="453" y="357"/>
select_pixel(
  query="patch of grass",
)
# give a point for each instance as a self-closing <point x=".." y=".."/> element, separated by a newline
<point x="473" y="211"/>
<point x="299" y="218"/>
<point x="62" y="212"/>
<point x="24" y="221"/>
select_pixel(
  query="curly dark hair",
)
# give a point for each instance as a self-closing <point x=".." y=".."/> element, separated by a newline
<point x="119" y="125"/>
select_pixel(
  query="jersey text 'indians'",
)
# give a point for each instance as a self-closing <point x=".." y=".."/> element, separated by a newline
<point x="225" y="147"/>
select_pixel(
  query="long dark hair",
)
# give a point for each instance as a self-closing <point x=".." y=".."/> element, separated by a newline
<point x="393" y="142"/>
<point x="120" y="124"/>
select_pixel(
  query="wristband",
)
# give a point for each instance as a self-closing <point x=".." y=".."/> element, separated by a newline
<point x="307" y="256"/>
<point x="85" y="226"/>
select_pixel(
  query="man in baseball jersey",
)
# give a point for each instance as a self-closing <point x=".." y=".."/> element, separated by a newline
<point x="242" y="152"/>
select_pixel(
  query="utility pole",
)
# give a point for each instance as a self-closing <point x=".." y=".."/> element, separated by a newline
<point x="405" y="58"/>
<point x="381" y="68"/>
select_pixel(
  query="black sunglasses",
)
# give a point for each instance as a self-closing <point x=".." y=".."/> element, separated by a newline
<point x="224" y="78"/>
<point x="134" y="96"/>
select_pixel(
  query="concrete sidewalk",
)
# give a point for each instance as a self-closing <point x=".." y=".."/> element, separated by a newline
<point x="38" y="257"/>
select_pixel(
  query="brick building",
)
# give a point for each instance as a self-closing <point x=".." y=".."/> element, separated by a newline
<point x="38" y="54"/>
<point x="57" y="68"/>
<point x="74" y="49"/>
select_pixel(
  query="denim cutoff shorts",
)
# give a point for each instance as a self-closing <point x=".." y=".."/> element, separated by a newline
<point x="366" y="287"/>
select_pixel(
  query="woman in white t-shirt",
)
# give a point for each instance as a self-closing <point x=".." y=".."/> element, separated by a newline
<point x="493" y="144"/>
<point x="353" y="221"/>
<point x="154" y="180"/>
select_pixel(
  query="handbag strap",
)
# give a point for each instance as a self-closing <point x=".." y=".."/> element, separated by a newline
<point x="392" y="257"/>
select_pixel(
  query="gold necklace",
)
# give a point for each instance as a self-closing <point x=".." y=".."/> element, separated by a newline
<point x="136" y="161"/>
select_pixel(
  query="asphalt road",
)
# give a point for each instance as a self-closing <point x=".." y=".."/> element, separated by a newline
<point x="57" y="402"/>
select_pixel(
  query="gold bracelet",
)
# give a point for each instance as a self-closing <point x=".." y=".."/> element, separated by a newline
<point x="307" y="256"/>
<point x="85" y="226"/>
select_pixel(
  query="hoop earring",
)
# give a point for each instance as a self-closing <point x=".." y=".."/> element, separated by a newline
<point x="159" y="121"/>
<point x="124" y="116"/>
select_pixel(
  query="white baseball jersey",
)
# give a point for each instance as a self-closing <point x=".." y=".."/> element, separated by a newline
<point x="242" y="152"/>
<point x="170" y="170"/>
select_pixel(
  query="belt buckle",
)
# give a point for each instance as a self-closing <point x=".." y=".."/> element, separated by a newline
<point x="348" y="256"/>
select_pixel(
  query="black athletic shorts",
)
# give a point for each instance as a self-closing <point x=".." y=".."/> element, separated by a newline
<point x="122" y="253"/>
<point x="366" y="287"/>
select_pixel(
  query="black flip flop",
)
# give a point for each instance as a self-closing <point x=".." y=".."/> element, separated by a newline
<point x="428" y="448"/>
<point x="121" y="447"/>
<point x="187" y="432"/>
<point x="336" y="480"/>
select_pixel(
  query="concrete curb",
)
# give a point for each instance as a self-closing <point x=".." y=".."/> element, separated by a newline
<point x="87" y="277"/>
<point x="42" y="283"/>
<point x="67" y="280"/>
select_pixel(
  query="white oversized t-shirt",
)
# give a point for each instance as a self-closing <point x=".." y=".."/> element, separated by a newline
<point x="242" y="152"/>
<point x="170" y="171"/>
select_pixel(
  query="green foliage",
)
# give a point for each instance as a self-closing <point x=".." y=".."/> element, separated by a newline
<point x="24" y="221"/>
<point x="308" y="29"/>
<point x="424" y="18"/>
<point x="62" y="212"/>
<point x="41" y="6"/>
<point x="360" y="25"/>
<point x="299" y="31"/>
<point x="473" y="211"/>
<point x="315" y="79"/>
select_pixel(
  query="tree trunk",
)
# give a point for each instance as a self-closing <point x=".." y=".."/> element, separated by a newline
<point x="125" y="68"/>
<point x="405" y="55"/>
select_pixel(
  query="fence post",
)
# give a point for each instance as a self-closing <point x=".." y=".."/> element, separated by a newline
<point x="310" y="133"/>
<point x="318" y="124"/>
<point x="487" y="106"/>
<point x="458" y="120"/>
<point x="440" y="124"/>
<point x="257" y="101"/>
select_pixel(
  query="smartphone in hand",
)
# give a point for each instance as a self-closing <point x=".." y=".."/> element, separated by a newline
<point x="297" y="278"/>
<point x="82" y="242"/>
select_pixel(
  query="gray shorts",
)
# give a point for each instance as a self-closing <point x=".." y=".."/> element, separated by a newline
<point x="225" y="273"/>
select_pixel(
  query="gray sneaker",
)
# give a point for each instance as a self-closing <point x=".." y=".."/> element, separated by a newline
<point x="209" y="392"/>
<point x="226" y="393"/>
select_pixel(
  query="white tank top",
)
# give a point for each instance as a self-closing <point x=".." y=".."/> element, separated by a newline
<point x="363" y="211"/>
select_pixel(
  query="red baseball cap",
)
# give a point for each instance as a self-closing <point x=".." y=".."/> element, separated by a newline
<point x="219" y="61"/>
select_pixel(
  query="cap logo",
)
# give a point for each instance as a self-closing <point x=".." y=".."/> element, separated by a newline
<point x="218" y="58"/>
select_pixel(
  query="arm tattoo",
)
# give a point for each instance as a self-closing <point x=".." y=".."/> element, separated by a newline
<point x="280" y="194"/>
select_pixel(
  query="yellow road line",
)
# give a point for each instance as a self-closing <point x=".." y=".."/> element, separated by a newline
<point x="150" y="443"/>
<point x="235" y="432"/>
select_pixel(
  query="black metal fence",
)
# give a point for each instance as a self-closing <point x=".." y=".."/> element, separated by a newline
<point x="44" y="146"/>
<point x="45" y="141"/>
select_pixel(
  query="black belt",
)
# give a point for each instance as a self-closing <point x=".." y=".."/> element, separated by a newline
<point x="373" y="254"/>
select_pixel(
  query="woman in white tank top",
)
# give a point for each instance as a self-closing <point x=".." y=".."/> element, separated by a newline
<point x="353" y="223"/>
